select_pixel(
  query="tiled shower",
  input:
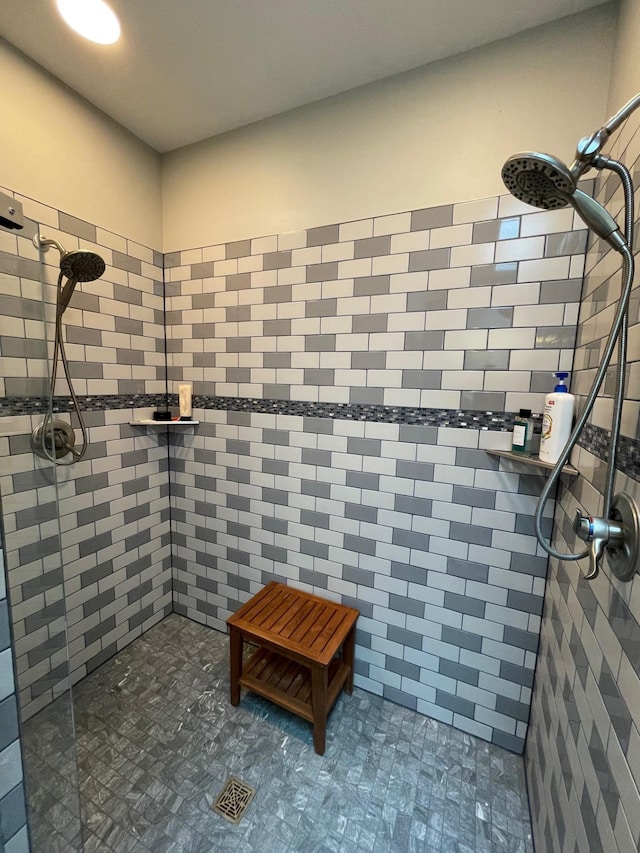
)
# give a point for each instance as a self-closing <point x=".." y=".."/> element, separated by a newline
<point x="349" y="379"/>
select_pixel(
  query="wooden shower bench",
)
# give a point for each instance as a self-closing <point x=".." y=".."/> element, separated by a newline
<point x="298" y="637"/>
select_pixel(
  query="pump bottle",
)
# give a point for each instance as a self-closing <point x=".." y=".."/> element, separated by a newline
<point x="557" y="420"/>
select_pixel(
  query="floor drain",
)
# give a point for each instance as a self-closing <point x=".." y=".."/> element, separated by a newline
<point x="234" y="800"/>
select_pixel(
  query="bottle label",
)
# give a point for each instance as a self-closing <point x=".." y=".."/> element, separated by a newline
<point x="519" y="435"/>
<point x="547" y="423"/>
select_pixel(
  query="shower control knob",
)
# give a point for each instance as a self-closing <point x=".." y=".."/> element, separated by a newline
<point x="598" y="533"/>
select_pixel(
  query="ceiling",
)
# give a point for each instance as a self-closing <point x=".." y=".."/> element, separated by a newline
<point x="186" y="70"/>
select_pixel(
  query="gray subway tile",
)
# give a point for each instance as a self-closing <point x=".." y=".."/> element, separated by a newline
<point x="429" y="379"/>
<point x="411" y="606"/>
<point x="237" y="249"/>
<point x="363" y="480"/>
<point x="366" y="323"/>
<point x="432" y="217"/>
<point x="366" y="396"/>
<point x="458" y="671"/>
<point x="464" y="604"/>
<point x="429" y="259"/>
<point x="368" y="360"/>
<point x="496" y="229"/>
<point x="489" y="274"/>
<point x="524" y="601"/>
<point x="485" y="401"/>
<point x="127" y="262"/>
<point x="374" y="285"/>
<point x="455" y="703"/>
<point x="413" y="506"/>
<point x="569" y="290"/>
<point x="474" y="497"/>
<point x="463" y="639"/>
<point x="567" y="243"/>
<point x="279" y="293"/>
<point x="364" y="446"/>
<point x="486" y="359"/>
<point x="77" y="227"/>
<point x="467" y="569"/>
<point x="370" y="247"/>
<point x="414" y="470"/>
<point x="238" y="281"/>
<point x="321" y="308"/>
<point x="320" y="343"/>
<point x="424" y="340"/>
<point x="427" y="300"/>
<point x="555" y="337"/>
<point x="323" y="235"/>
<point x="360" y="544"/>
<point x="489" y="318"/>
<point x="322" y="272"/>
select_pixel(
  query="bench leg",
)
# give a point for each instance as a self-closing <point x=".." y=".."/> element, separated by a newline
<point x="235" y="649"/>
<point x="319" y="700"/>
<point x="348" y="648"/>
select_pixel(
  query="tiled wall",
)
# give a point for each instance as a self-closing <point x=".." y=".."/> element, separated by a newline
<point x="349" y="379"/>
<point x="112" y="533"/>
<point x="583" y="754"/>
<point x="13" y="814"/>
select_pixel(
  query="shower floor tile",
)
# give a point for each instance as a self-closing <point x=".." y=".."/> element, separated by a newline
<point x="157" y="739"/>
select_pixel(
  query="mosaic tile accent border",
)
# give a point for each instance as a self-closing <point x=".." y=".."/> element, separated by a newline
<point x="11" y="406"/>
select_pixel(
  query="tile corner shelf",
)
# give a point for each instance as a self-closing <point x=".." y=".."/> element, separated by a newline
<point x="533" y="461"/>
<point x="151" y="422"/>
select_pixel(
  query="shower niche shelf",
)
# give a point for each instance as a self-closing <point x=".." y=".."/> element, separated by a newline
<point x="532" y="461"/>
<point x="151" y="422"/>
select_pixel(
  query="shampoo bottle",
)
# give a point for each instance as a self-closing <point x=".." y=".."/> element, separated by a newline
<point x="556" y="421"/>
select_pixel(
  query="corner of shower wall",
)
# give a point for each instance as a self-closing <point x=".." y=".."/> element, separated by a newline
<point x="583" y="751"/>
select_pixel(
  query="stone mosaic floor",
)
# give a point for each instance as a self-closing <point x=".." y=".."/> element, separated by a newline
<point x="157" y="740"/>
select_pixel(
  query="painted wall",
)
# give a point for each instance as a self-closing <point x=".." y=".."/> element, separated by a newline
<point x="57" y="148"/>
<point x="432" y="136"/>
<point x="583" y="752"/>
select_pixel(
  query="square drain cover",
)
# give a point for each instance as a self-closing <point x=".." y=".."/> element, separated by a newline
<point x="234" y="800"/>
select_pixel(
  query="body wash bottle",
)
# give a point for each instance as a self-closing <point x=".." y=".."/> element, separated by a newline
<point x="557" y="421"/>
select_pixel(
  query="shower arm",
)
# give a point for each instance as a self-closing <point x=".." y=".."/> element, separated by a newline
<point x="590" y="146"/>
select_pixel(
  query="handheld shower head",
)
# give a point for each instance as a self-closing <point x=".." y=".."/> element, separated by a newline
<point x="539" y="180"/>
<point x="77" y="266"/>
<point x="544" y="181"/>
<point x="82" y="265"/>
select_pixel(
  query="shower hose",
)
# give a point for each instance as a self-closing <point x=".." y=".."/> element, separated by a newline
<point x="59" y="350"/>
<point x="618" y="334"/>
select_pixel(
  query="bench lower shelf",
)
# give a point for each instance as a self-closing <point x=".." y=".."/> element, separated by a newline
<point x="288" y="683"/>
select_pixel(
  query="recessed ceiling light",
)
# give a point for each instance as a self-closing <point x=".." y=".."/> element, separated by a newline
<point x="92" y="19"/>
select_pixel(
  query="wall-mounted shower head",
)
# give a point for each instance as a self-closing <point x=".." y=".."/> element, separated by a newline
<point x="544" y="181"/>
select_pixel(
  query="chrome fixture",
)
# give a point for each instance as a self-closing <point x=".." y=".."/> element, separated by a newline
<point x="542" y="180"/>
<point x="11" y="215"/>
<point x="618" y="537"/>
<point x="55" y="439"/>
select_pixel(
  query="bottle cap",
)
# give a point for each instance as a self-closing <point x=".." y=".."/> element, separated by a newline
<point x="525" y="413"/>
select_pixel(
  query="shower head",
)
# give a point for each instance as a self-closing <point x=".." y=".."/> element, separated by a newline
<point x="539" y="180"/>
<point x="77" y="266"/>
<point x="544" y="181"/>
<point x="82" y="265"/>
